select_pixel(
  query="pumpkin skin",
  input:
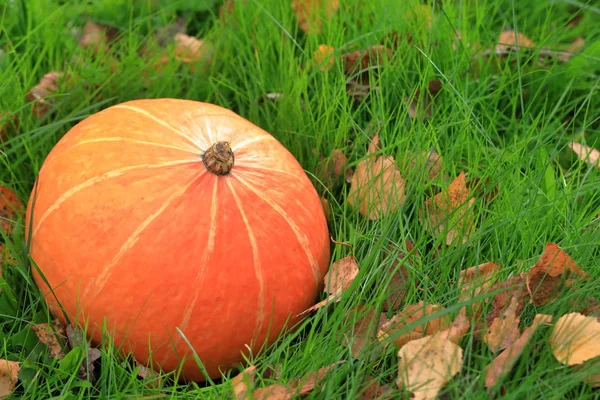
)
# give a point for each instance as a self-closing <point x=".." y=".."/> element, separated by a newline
<point x="131" y="229"/>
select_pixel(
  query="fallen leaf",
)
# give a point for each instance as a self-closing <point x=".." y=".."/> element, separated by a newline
<point x="513" y="287"/>
<point x="458" y="329"/>
<point x="426" y="161"/>
<point x="359" y="62"/>
<point x="273" y="392"/>
<point x="585" y="153"/>
<point x="375" y="390"/>
<point x="97" y="36"/>
<point x="309" y="13"/>
<point x="450" y="212"/>
<point x="425" y="365"/>
<point x="364" y="331"/>
<point x="477" y="275"/>
<point x="47" y="335"/>
<point x="326" y="208"/>
<point x="510" y="40"/>
<point x="191" y="50"/>
<point x="166" y="34"/>
<point x="10" y="207"/>
<point x="8" y="123"/>
<point x="576" y="20"/>
<point x="338" y="278"/>
<point x="504" y="329"/>
<point x="323" y="57"/>
<point x="377" y="187"/>
<point x="41" y="92"/>
<point x="420" y="105"/>
<point x="502" y="364"/>
<point x="308" y="382"/>
<point x="75" y="338"/>
<point x="358" y="91"/>
<point x="409" y="315"/>
<point x="547" y="277"/>
<point x="9" y="375"/>
<point x="572" y="49"/>
<point x="575" y="339"/>
<point x="243" y="383"/>
<point x="330" y="169"/>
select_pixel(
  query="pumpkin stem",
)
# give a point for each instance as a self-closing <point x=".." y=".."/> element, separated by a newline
<point x="219" y="158"/>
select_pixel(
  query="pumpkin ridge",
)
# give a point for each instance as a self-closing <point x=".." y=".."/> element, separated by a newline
<point x="260" y="313"/>
<point x="187" y="312"/>
<point x="115" y="173"/>
<point x="125" y="139"/>
<point x="133" y="238"/>
<point x="242" y="168"/>
<point x="302" y="240"/>
<point x="158" y="121"/>
<point x="244" y="143"/>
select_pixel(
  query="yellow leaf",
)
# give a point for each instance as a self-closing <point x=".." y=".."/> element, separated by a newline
<point x="426" y="365"/>
<point x="310" y="12"/>
<point x="575" y="338"/>
<point x="323" y="56"/>
<point x="585" y="153"/>
<point x="9" y="374"/>
<point x="505" y="328"/>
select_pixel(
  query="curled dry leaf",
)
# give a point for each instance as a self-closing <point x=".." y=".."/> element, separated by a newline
<point x="426" y="161"/>
<point x="585" y="153"/>
<point x="420" y="105"/>
<point x="243" y="383"/>
<point x="409" y="315"/>
<point x="425" y="365"/>
<point x="510" y="41"/>
<point x="191" y="50"/>
<point x="309" y="13"/>
<point x="338" y="278"/>
<point x="505" y="328"/>
<point x="502" y="364"/>
<point x="10" y="207"/>
<point x="377" y="187"/>
<point x="547" y="277"/>
<point x="364" y="331"/>
<point x="9" y="375"/>
<point x="575" y="339"/>
<point x="41" y="92"/>
<point x="308" y="382"/>
<point x="514" y="287"/>
<point x="96" y="36"/>
<point x="450" y="212"/>
<point x="47" y="335"/>
<point x="324" y="57"/>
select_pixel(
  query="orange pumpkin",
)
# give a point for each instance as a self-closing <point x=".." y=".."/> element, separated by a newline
<point x="154" y="215"/>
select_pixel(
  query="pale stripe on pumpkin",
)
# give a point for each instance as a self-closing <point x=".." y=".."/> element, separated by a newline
<point x="255" y="169"/>
<point x="111" y="174"/>
<point x="302" y="239"/>
<point x="240" y="145"/>
<point x="124" y="139"/>
<point x="187" y="313"/>
<point x="260" y="313"/>
<point x="132" y="240"/>
<point x="159" y="121"/>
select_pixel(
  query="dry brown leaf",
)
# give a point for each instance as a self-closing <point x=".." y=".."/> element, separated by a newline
<point x="326" y="207"/>
<point x="425" y="365"/>
<point x="46" y="87"/>
<point x="308" y="382"/>
<point x="505" y="328"/>
<point x="166" y="34"/>
<point x="547" y="277"/>
<point x="575" y="339"/>
<point x="428" y="161"/>
<point x="377" y="187"/>
<point x="8" y="123"/>
<point x="409" y="315"/>
<point x="324" y="58"/>
<point x="47" y="335"/>
<point x="571" y="49"/>
<point x="10" y="207"/>
<point x="330" y="169"/>
<point x="273" y="392"/>
<point x="576" y="20"/>
<point x="364" y="331"/>
<point x="398" y="287"/>
<point x="191" y="50"/>
<point x="338" y="278"/>
<point x="375" y="390"/>
<point x="309" y="13"/>
<point x="97" y="36"/>
<point x="360" y="61"/>
<point x="509" y="40"/>
<point x="450" y="212"/>
<point x="243" y="383"/>
<point x="420" y="105"/>
<point x="9" y="375"/>
<point x="502" y="364"/>
<point x="585" y="153"/>
<point x="458" y="329"/>
<point x="514" y="287"/>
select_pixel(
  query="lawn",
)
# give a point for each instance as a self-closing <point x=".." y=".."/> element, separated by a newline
<point x="442" y="89"/>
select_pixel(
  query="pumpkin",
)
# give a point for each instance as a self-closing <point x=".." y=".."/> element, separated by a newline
<point x="175" y="225"/>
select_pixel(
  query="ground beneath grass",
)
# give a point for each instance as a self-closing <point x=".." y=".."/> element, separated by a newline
<point x="491" y="101"/>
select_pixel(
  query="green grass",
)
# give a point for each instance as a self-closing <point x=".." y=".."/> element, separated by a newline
<point x="508" y="120"/>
